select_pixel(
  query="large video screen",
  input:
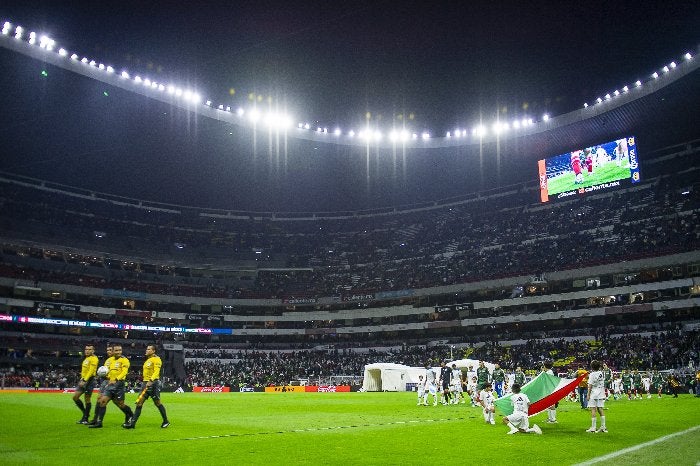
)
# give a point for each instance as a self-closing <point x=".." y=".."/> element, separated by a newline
<point x="592" y="169"/>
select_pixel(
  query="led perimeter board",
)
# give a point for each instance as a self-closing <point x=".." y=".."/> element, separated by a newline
<point x="596" y="168"/>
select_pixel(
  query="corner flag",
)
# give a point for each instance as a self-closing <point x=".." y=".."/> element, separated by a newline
<point x="543" y="391"/>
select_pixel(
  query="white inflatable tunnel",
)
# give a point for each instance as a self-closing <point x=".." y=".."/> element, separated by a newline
<point x="389" y="377"/>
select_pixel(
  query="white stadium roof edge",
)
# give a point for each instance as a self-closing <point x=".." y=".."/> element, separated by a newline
<point x="44" y="49"/>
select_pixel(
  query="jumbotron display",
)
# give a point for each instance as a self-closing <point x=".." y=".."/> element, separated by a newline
<point x="596" y="168"/>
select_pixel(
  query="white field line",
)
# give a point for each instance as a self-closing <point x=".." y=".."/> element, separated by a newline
<point x="624" y="451"/>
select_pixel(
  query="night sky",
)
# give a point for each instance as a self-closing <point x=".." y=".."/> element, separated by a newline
<point x="432" y="65"/>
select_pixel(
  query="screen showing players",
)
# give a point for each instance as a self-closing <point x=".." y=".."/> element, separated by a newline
<point x="592" y="169"/>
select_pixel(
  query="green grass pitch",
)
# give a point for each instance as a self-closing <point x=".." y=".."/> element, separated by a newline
<point x="336" y="428"/>
<point x="603" y="174"/>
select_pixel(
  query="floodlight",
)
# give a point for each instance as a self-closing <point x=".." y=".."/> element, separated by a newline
<point x="279" y="120"/>
<point x="101" y="66"/>
<point x="607" y="97"/>
<point x="672" y="64"/>
<point x="448" y="135"/>
<point x="616" y="93"/>
<point x="6" y="28"/>
<point x="195" y="98"/>
<point x="137" y="79"/>
<point x="351" y="133"/>
<point x="228" y="108"/>
<point x="665" y="69"/>
<point x="337" y="132"/>
<point x="545" y="117"/>
<point x="161" y="87"/>
<point x="414" y="136"/>
<point x="318" y="129"/>
<point x="625" y="89"/>
<point x="32" y="38"/>
<point x="18" y="32"/>
<point x="125" y="75"/>
<point x="84" y="60"/>
<point x="254" y="115"/>
<point x="655" y="75"/>
<point x="637" y="83"/>
<point x="688" y="56"/>
<point x="178" y="92"/>
<point x="110" y="69"/>
<point x="208" y="103"/>
<point x="585" y="105"/>
<point x="147" y="82"/>
<point x="221" y="106"/>
<point x="307" y="126"/>
<point x="62" y="52"/>
<point x="378" y="135"/>
<point x="46" y="42"/>
<point x="240" y="111"/>
<point x="425" y="135"/>
<point x="93" y="63"/>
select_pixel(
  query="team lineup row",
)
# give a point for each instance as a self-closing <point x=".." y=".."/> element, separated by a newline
<point x="485" y="387"/>
<point x="111" y="377"/>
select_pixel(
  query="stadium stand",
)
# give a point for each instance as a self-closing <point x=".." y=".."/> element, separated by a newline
<point x="315" y="298"/>
<point x="312" y="295"/>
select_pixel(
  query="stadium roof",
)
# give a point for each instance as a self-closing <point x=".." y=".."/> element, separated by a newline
<point x="454" y="66"/>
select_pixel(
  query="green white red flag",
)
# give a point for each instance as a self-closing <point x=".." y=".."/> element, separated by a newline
<point x="543" y="391"/>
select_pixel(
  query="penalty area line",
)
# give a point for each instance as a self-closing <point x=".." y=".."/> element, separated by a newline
<point x="633" y="448"/>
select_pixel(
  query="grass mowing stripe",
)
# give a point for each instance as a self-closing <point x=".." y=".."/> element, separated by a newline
<point x="624" y="451"/>
<point x="250" y="434"/>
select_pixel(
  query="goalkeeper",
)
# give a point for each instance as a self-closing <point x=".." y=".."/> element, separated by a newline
<point x="150" y="388"/>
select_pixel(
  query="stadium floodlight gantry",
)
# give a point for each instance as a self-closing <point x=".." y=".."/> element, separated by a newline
<point x="15" y="37"/>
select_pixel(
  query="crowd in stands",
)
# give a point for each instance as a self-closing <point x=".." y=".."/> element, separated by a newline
<point x="488" y="237"/>
<point x="665" y="350"/>
<point x="53" y="360"/>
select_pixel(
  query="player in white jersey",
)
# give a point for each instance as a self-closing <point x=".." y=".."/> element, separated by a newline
<point x="518" y="421"/>
<point x="646" y="383"/>
<point x="420" y="388"/>
<point x="621" y="152"/>
<point x="596" y="396"/>
<point x="456" y="385"/>
<point x="430" y="385"/>
<point x="552" y="410"/>
<point x="617" y="387"/>
<point x="473" y="391"/>
<point x="487" y="403"/>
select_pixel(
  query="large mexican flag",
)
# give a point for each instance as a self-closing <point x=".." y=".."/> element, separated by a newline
<point x="543" y="391"/>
